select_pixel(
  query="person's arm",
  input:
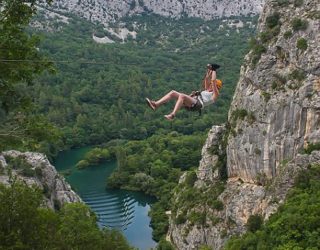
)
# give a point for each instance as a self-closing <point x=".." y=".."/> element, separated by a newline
<point x="206" y="83"/>
<point x="214" y="85"/>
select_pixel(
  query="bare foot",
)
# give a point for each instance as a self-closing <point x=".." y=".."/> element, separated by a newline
<point x="151" y="104"/>
<point x="169" y="117"/>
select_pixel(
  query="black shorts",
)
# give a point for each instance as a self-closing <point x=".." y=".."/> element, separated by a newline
<point x="195" y="107"/>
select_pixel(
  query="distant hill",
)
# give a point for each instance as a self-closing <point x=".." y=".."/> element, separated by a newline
<point x="109" y="11"/>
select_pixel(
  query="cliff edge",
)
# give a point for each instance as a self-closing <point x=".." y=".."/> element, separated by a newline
<point x="35" y="169"/>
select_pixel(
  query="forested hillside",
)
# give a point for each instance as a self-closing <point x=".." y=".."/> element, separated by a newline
<point x="93" y="103"/>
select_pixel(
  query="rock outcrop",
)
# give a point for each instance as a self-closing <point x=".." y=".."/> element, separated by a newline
<point x="108" y="11"/>
<point x="41" y="174"/>
<point x="281" y="93"/>
<point x="274" y="117"/>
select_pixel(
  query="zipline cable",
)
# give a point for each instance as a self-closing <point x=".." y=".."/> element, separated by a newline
<point x="80" y="62"/>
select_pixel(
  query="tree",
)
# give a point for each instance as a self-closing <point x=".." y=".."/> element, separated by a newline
<point x="20" y="62"/>
<point x="24" y="224"/>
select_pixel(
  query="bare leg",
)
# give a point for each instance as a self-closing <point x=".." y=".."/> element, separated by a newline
<point x="183" y="100"/>
<point x="172" y="94"/>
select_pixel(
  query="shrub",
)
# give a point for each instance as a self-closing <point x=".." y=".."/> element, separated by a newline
<point x="283" y="2"/>
<point x="269" y="34"/>
<point x="217" y="204"/>
<point x="298" y="24"/>
<point x="257" y="50"/>
<point x="266" y="96"/>
<point x="215" y="220"/>
<point x="315" y="14"/>
<point x="213" y="150"/>
<point x="287" y="34"/>
<point x="279" y="82"/>
<point x="251" y="118"/>
<point x="297" y="74"/>
<point x="239" y="114"/>
<point x="312" y="147"/>
<point x="164" y="245"/>
<point x="197" y="218"/>
<point x="181" y="218"/>
<point x="254" y="223"/>
<point x="298" y="3"/>
<point x="191" y="178"/>
<point x="273" y="20"/>
<point x="302" y="44"/>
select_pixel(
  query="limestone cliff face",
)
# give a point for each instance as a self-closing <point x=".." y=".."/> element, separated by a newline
<point x="104" y="11"/>
<point x="56" y="190"/>
<point x="274" y="115"/>
<point x="281" y="93"/>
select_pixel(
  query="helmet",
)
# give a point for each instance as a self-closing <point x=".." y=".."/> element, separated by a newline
<point x="219" y="84"/>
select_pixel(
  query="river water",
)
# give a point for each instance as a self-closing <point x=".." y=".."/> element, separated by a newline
<point x="124" y="210"/>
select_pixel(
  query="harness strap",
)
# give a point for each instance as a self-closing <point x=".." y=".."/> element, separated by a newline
<point x="199" y="97"/>
<point x="198" y="105"/>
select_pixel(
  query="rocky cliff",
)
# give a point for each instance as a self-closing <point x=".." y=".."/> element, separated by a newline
<point x="274" y="117"/>
<point x="35" y="169"/>
<point x="111" y="10"/>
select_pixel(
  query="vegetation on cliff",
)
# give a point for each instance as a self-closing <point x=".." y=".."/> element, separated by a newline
<point x="296" y="223"/>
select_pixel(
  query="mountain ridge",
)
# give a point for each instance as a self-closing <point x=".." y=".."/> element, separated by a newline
<point x="105" y="12"/>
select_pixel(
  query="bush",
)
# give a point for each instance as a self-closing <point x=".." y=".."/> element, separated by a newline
<point x="298" y="75"/>
<point x="254" y="223"/>
<point x="217" y="204"/>
<point x="269" y="34"/>
<point x="283" y="3"/>
<point x="298" y="24"/>
<point x="298" y="3"/>
<point x="266" y="96"/>
<point x="273" y="20"/>
<point x="197" y="218"/>
<point x="181" y="218"/>
<point x="312" y="147"/>
<point x="251" y="118"/>
<point x="302" y="44"/>
<point x="164" y="245"/>
<point x="191" y="178"/>
<point x="257" y="50"/>
<point x="287" y="34"/>
<point x="279" y="82"/>
<point x="239" y="114"/>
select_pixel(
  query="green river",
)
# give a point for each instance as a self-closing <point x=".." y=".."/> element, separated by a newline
<point x="123" y="210"/>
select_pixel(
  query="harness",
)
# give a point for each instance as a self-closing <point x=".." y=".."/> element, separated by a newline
<point x="198" y="105"/>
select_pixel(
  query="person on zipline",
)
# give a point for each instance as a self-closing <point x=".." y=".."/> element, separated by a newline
<point x="196" y="100"/>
